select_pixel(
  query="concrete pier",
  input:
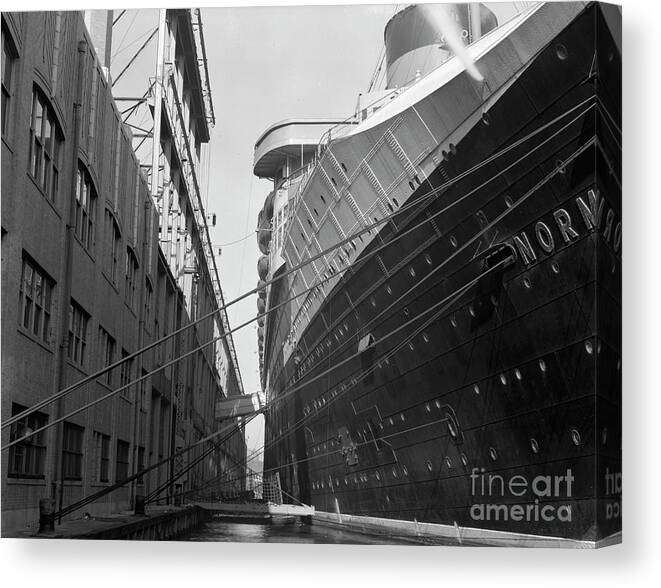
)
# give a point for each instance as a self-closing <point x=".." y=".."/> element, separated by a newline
<point x="157" y="524"/>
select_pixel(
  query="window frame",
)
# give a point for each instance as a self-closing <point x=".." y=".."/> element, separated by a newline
<point x="131" y="276"/>
<point x="78" y="330"/>
<point x="35" y="302"/>
<point x="9" y="59"/>
<point x="107" y="346"/>
<point x="32" y="450"/>
<point x="114" y="235"/>
<point x="103" y="457"/>
<point x="121" y="462"/>
<point x="45" y="152"/>
<point x="73" y="442"/>
<point x="86" y="205"/>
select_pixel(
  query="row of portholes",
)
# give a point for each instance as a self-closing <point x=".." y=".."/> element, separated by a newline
<point x="402" y="471"/>
<point x="396" y="473"/>
<point x="342" y="331"/>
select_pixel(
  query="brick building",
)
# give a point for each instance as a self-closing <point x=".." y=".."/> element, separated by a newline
<point x="92" y="271"/>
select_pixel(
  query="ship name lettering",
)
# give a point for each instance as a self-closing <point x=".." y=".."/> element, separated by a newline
<point x="592" y="211"/>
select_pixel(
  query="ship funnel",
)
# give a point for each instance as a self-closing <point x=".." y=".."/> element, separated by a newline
<point x="440" y="32"/>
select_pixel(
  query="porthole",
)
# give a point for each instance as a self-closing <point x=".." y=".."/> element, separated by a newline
<point x="486" y="119"/>
<point x="453" y="149"/>
<point x="425" y="337"/>
<point x="517" y="374"/>
<point x="526" y="283"/>
<point x="315" y="211"/>
<point x="453" y="241"/>
<point x="534" y="445"/>
<point x="555" y="267"/>
<point x="373" y="301"/>
<point x="471" y="310"/>
<point x="575" y="436"/>
<point x="394" y="473"/>
<point x="412" y="271"/>
<point x="493" y="454"/>
<point x="406" y="311"/>
<point x="401" y="417"/>
<point x="476" y="389"/>
<point x="411" y="185"/>
<point x="411" y="346"/>
<point x="396" y="202"/>
<point x="542" y="365"/>
<point x="437" y="403"/>
<point x="598" y="347"/>
<point x="464" y="460"/>
<point x="429" y="466"/>
<point x="508" y="201"/>
<point x="448" y="462"/>
<point x="322" y="198"/>
<point x="428" y="407"/>
<point x="428" y="260"/>
<point x="494" y="300"/>
<point x="588" y="347"/>
<point x="377" y="476"/>
<point x="334" y="182"/>
<point x="453" y="320"/>
<point x="560" y="166"/>
<point x="452" y="429"/>
<point x="604" y="436"/>
<point x="391" y="422"/>
<point x="561" y="52"/>
<point x="346" y="481"/>
<point x="344" y="167"/>
<point x="445" y="155"/>
<point x="503" y="379"/>
<point x="390" y="208"/>
<point x="405" y="471"/>
<point x="388" y="289"/>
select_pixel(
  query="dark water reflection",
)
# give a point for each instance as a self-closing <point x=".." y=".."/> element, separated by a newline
<point x="292" y="531"/>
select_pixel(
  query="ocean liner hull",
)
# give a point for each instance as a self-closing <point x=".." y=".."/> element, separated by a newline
<point x="462" y="370"/>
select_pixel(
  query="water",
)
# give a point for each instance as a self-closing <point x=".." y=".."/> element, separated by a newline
<point x="292" y="531"/>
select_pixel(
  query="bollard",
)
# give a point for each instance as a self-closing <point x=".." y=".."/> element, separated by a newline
<point x="46" y="519"/>
<point x="139" y="504"/>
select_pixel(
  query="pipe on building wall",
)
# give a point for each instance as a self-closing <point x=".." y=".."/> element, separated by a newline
<point x="56" y="473"/>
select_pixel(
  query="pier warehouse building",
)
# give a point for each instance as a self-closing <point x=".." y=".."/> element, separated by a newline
<point x="101" y="257"/>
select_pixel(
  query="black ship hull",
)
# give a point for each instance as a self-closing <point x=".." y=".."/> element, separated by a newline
<point x="469" y="374"/>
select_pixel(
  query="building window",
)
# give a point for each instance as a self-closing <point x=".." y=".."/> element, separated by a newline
<point x="8" y="63"/>
<point x="149" y="292"/>
<point x="72" y="452"/>
<point x="131" y="276"/>
<point x="107" y="350"/>
<point x="125" y="371"/>
<point x="103" y="453"/>
<point x="78" y="320"/>
<point x="85" y="208"/>
<point x="122" y="463"/>
<point x="28" y="458"/>
<point x="35" y="299"/>
<point x="45" y="145"/>
<point x="141" y="463"/>
<point x="113" y="244"/>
